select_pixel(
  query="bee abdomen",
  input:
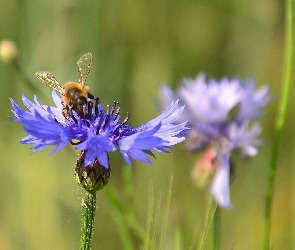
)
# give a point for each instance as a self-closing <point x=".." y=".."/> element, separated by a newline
<point x="78" y="105"/>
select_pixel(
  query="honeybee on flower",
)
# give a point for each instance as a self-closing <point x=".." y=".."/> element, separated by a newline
<point x="82" y="121"/>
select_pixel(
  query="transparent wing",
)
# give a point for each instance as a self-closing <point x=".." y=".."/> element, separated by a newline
<point x="84" y="66"/>
<point x="48" y="79"/>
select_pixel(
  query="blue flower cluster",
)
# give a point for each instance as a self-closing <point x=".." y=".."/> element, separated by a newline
<point x="221" y="115"/>
<point x="99" y="131"/>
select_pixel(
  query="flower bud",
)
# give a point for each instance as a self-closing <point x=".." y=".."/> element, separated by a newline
<point x="93" y="177"/>
<point x="8" y="51"/>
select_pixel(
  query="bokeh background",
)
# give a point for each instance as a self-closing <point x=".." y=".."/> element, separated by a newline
<point x="137" y="46"/>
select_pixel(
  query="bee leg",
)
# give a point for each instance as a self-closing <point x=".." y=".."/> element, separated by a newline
<point x="83" y="114"/>
<point x="90" y="96"/>
<point x="71" y="115"/>
<point x="89" y="110"/>
<point x="65" y="110"/>
<point x="96" y="106"/>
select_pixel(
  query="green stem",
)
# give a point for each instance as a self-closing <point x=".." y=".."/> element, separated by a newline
<point x="290" y="29"/>
<point x="166" y="214"/>
<point x="207" y="223"/>
<point x="216" y="223"/>
<point x="88" y="208"/>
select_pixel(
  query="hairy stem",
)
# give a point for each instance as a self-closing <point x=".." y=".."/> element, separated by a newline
<point x="88" y="208"/>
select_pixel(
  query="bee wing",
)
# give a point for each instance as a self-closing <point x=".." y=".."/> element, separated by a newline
<point x="84" y="66"/>
<point x="48" y="79"/>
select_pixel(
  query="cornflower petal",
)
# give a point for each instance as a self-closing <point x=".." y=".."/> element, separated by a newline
<point x="97" y="146"/>
<point x="253" y="102"/>
<point x="41" y="126"/>
<point x="210" y="102"/>
<point x="245" y="138"/>
<point x="158" y="134"/>
<point x="168" y="116"/>
<point x="220" y="185"/>
<point x="134" y="145"/>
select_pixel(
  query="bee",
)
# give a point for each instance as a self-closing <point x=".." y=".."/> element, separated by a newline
<point x="74" y="94"/>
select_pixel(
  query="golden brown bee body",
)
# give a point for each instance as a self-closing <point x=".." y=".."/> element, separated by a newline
<point x="76" y="97"/>
<point x="74" y="94"/>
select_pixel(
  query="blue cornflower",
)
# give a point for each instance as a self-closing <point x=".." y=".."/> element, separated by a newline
<point x="221" y="115"/>
<point x="99" y="131"/>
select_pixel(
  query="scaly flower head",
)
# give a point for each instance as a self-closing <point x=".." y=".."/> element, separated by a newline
<point x="221" y="115"/>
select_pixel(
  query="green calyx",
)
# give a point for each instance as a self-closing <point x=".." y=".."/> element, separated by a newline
<point x="93" y="177"/>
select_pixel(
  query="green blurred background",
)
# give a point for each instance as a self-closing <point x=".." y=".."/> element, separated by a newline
<point x="138" y="45"/>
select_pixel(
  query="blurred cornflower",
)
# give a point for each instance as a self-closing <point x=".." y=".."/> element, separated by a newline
<point x="97" y="131"/>
<point x="221" y="115"/>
